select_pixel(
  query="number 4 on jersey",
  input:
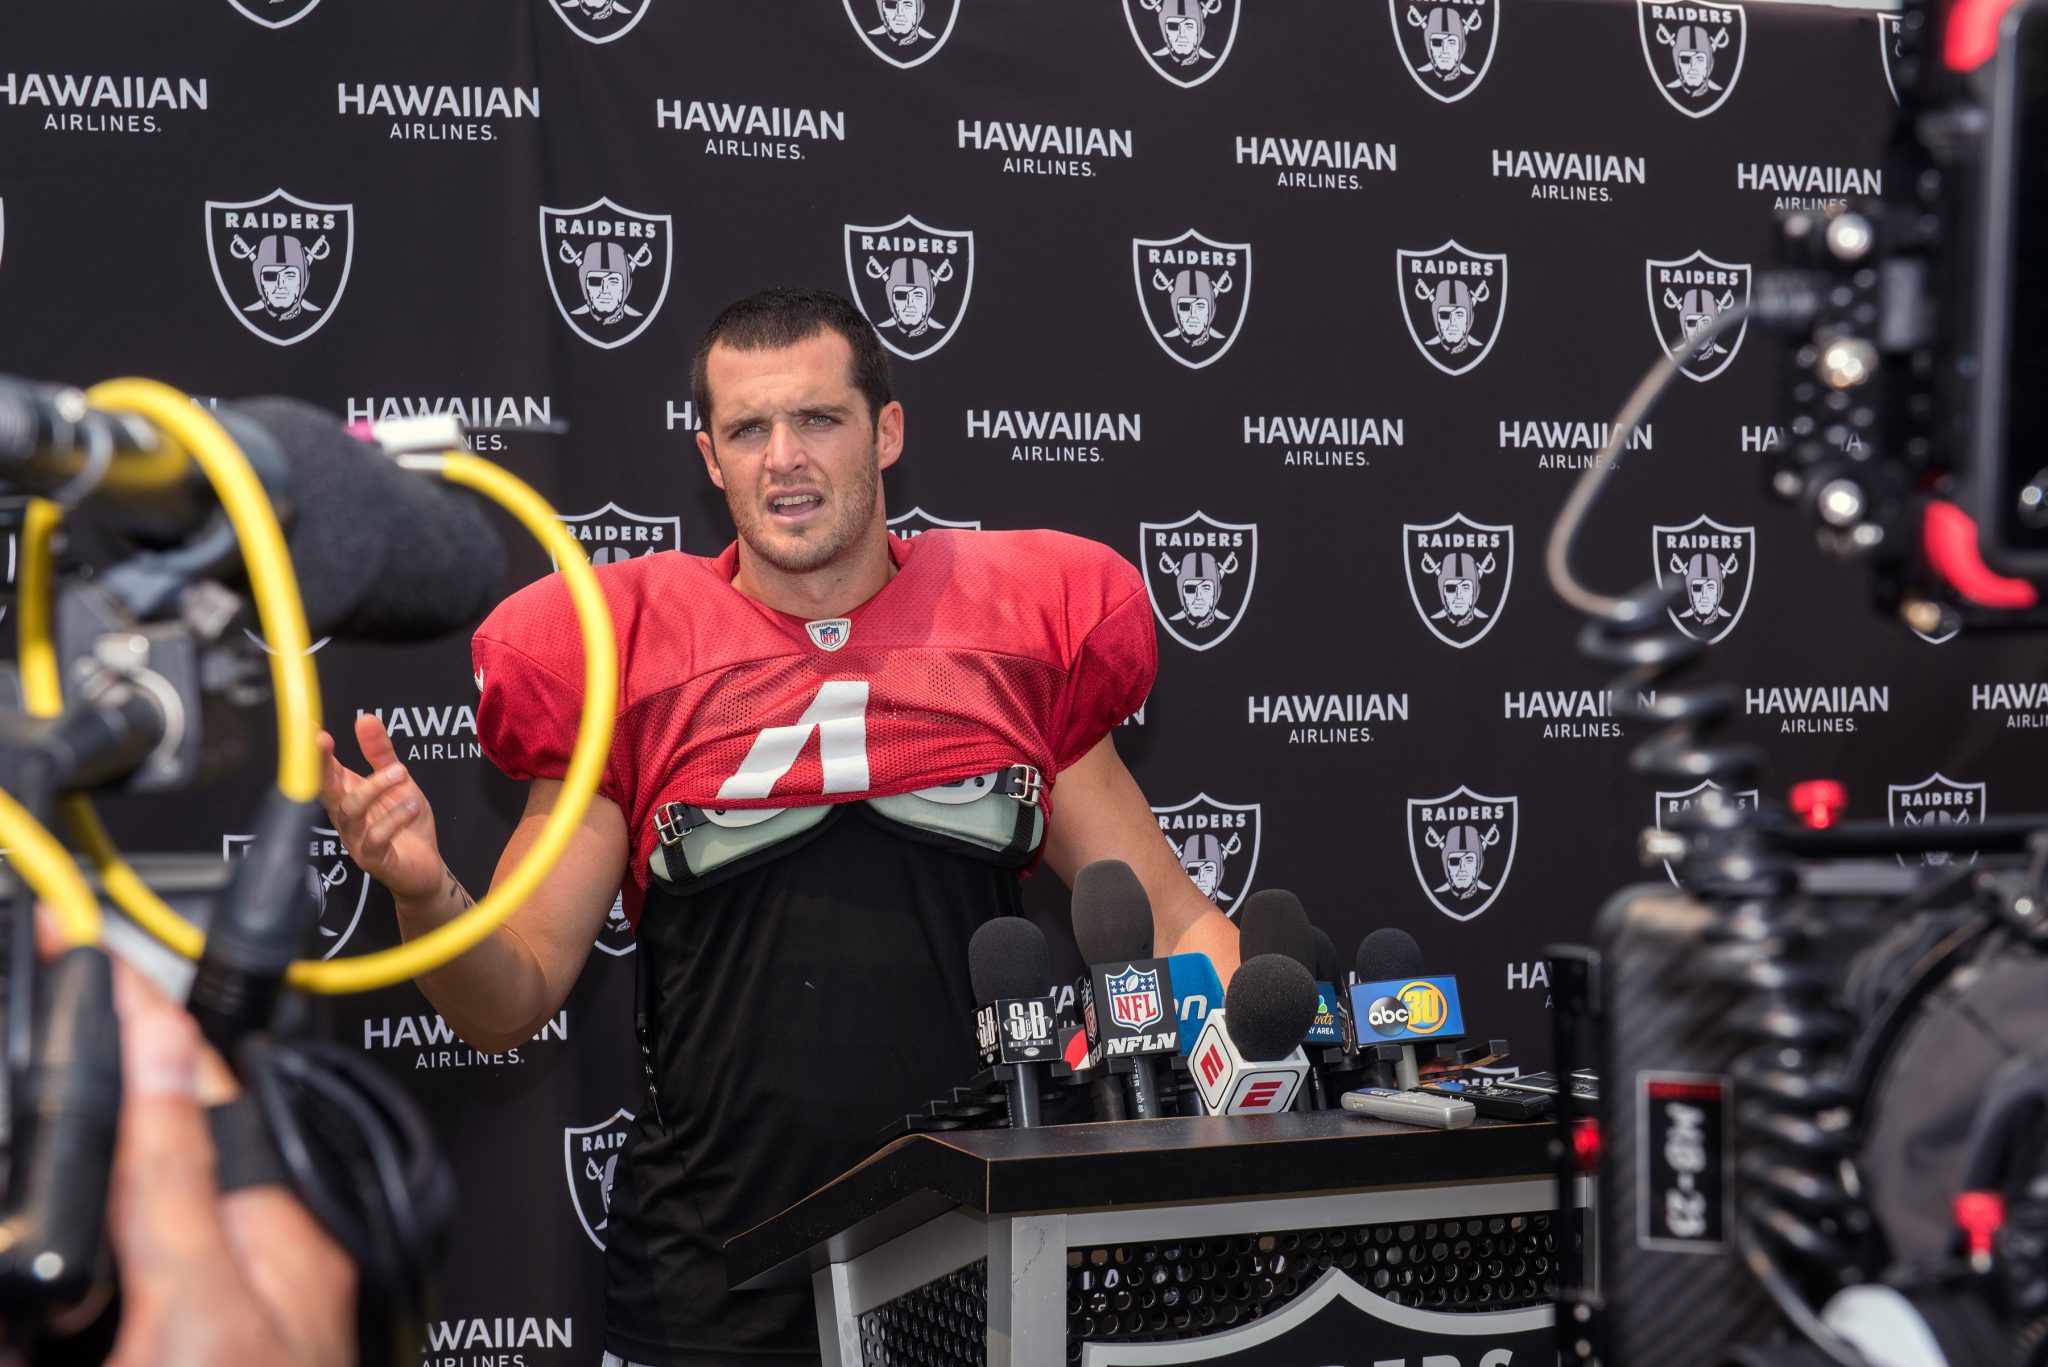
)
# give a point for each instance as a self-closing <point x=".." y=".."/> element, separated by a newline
<point x="839" y="714"/>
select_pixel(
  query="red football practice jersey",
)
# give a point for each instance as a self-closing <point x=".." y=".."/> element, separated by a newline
<point x="986" y="649"/>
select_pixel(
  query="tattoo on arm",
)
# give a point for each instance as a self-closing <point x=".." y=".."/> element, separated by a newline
<point x="456" y="892"/>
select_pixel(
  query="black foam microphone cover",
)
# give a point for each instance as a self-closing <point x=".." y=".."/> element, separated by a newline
<point x="1269" y="1007"/>
<point x="1328" y="968"/>
<point x="1388" y="953"/>
<point x="1272" y="921"/>
<point x="1008" y="957"/>
<point x="382" y="553"/>
<point x="1112" y="914"/>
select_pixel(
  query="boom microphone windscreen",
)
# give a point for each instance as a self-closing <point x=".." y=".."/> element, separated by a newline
<point x="1008" y="957"/>
<point x="382" y="553"/>
<point x="1388" y="953"/>
<point x="1272" y="921"/>
<point x="1112" y="914"/>
<point x="1269" y="1007"/>
<point x="1327" y="967"/>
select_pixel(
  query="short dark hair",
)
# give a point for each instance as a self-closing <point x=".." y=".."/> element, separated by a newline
<point x="782" y="318"/>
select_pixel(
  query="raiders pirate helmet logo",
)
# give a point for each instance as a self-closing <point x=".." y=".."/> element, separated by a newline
<point x="1446" y="45"/>
<point x="1715" y="564"/>
<point x="1687" y="295"/>
<point x="1455" y="301"/>
<point x="1459" y="573"/>
<point x="1185" y="41"/>
<point x="917" y="521"/>
<point x="344" y="889"/>
<point x="1695" y="51"/>
<point x="615" y="937"/>
<point x="608" y="268"/>
<point x="611" y="534"/>
<point x="1194" y="292"/>
<point x="913" y="282"/>
<point x="591" y="1154"/>
<point x="1463" y="847"/>
<point x="281" y="262"/>
<point x="600" y="21"/>
<point x="280" y="13"/>
<point x="903" y="33"/>
<point x="1671" y="805"/>
<point x="1936" y="800"/>
<point x="1199" y="574"/>
<point x="1891" y="49"/>
<point x="1217" y="844"/>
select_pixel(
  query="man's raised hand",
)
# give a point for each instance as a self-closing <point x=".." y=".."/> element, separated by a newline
<point x="383" y="817"/>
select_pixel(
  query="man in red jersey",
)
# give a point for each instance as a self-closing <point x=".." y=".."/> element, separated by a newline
<point x="829" y="750"/>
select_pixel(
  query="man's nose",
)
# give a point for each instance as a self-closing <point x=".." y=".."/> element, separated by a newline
<point x="786" y="453"/>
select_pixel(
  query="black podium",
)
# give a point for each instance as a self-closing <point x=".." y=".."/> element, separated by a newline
<point x="1308" y="1239"/>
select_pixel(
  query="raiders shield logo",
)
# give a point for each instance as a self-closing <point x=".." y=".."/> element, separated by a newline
<point x="608" y="267"/>
<point x="1716" y="564"/>
<point x="274" y="13"/>
<point x="1455" y="301"/>
<point x="591" y="1154"/>
<point x="344" y="888"/>
<point x="1891" y="48"/>
<point x="1936" y="801"/>
<point x="600" y="21"/>
<point x="903" y="33"/>
<point x="917" y="521"/>
<point x="1688" y="294"/>
<point x="1463" y="847"/>
<point x="1459" y="572"/>
<point x="615" y="937"/>
<point x="1695" y="51"/>
<point x="1217" y="843"/>
<point x="1194" y="292"/>
<point x="912" y="282"/>
<point x="1199" y="573"/>
<point x="1186" y="41"/>
<point x="281" y="262"/>
<point x="1447" y="45"/>
<point x="612" y="534"/>
<point x="1670" y="805"/>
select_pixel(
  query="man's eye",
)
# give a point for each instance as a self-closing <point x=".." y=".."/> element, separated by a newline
<point x="821" y="420"/>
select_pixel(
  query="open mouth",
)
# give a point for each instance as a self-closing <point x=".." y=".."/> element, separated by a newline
<point x="794" y="508"/>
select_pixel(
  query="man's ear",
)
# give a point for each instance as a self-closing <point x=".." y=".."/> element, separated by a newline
<point x="888" y="435"/>
<point x="704" y="448"/>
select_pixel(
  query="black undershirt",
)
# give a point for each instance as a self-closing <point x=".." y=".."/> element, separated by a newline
<point x="799" y="1006"/>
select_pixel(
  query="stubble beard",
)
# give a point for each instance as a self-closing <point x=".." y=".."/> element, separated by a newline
<point x="852" y="506"/>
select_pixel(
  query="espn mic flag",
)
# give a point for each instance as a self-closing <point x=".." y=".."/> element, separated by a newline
<point x="1230" y="1084"/>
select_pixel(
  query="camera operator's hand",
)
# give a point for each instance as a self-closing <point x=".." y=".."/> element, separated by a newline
<point x="208" y="1279"/>
<point x="383" y="817"/>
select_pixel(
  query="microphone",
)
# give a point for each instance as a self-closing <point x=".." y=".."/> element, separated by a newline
<point x="1197" y="990"/>
<point x="1393" y="1004"/>
<point x="382" y="553"/>
<point x="1332" y="1029"/>
<point x="1010" y="968"/>
<point x="1248" y="1059"/>
<point x="1126" y="997"/>
<point x="1273" y="921"/>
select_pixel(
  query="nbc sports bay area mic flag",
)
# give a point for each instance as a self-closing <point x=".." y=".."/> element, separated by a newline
<point x="1129" y="1009"/>
<point x="1405" y="1010"/>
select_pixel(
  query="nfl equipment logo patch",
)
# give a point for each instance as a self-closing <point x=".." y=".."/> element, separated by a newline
<point x="829" y="634"/>
<point x="1134" y="998"/>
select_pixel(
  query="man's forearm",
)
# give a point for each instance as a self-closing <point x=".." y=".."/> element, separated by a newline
<point x="1196" y="927"/>
<point x="493" y="995"/>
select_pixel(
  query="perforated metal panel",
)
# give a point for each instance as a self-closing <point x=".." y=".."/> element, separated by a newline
<point x="1134" y="1293"/>
<point x="943" y="1323"/>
